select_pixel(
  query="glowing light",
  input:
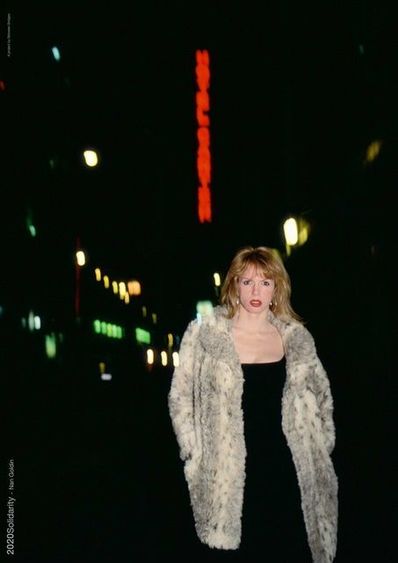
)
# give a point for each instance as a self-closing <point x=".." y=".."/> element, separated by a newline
<point x="142" y="336"/>
<point x="122" y="289"/>
<point x="134" y="287"/>
<point x="204" y="308"/>
<point x="37" y="322"/>
<point x="31" y="321"/>
<point x="176" y="359"/>
<point x="90" y="158"/>
<point x="303" y="233"/>
<point x="373" y="150"/>
<point x="290" y="230"/>
<point x="50" y="345"/>
<point x="163" y="357"/>
<point x="154" y="318"/>
<point x="127" y="298"/>
<point x="170" y="340"/>
<point x="106" y="376"/>
<point x="144" y="311"/>
<point x="217" y="279"/>
<point x="108" y="329"/>
<point x="56" y="53"/>
<point x="29" y="224"/>
<point x="150" y="356"/>
<point x="106" y="281"/>
<point x="203" y="160"/>
<point x="115" y="287"/>
<point x="80" y="258"/>
<point x="98" y="274"/>
<point x="102" y="367"/>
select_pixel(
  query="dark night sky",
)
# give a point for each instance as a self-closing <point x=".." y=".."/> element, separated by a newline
<point x="298" y="91"/>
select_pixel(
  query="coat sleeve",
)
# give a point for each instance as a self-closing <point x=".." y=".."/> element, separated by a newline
<point x="181" y="396"/>
<point x="325" y="403"/>
<point x="320" y="386"/>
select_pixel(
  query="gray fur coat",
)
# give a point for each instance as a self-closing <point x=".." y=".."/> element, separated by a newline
<point x="205" y="401"/>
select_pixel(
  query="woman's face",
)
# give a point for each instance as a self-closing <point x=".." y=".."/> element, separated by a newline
<point x="255" y="291"/>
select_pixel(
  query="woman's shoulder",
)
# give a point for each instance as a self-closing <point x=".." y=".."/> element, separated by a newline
<point x="294" y="331"/>
<point x="214" y="319"/>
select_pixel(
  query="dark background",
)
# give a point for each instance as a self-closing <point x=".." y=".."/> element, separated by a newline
<point x="298" y="92"/>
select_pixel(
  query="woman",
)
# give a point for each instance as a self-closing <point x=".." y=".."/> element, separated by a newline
<point x="252" y="411"/>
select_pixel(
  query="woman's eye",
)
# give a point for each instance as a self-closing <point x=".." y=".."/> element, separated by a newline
<point x="265" y="282"/>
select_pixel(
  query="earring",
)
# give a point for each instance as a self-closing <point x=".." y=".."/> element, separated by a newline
<point x="237" y="301"/>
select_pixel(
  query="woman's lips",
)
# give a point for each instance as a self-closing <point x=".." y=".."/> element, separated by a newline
<point x="255" y="303"/>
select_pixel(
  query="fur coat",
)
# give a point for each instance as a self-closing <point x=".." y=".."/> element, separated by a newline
<point x="205" y="406"/>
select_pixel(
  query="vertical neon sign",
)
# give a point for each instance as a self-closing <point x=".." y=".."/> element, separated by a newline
<point x="203" y="161"/>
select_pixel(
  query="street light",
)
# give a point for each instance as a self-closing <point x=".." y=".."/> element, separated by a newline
<point x="296" y="232"/>
<point x="90" y="158"/>
<point x="80" y="261"/>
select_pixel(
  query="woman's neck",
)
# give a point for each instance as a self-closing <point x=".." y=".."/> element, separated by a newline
<point x="250" y="322"/>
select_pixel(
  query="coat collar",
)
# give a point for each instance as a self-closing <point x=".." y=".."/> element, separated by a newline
<point x="215" y="334"/>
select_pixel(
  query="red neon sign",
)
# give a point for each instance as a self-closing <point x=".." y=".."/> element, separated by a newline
<point x="203" y="161"/>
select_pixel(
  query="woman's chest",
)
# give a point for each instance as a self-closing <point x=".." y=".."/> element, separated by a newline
<point x="260" y="347"/>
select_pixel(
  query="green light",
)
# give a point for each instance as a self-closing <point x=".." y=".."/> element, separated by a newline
<point x="142" y="336"/>
<point x="51" y="345"/>
<point x="107" y="329"/>
<point x="29" y="224"/>
<point x="56" y="53"/>
<point x="31" y="321"/>
<point x="204" y="307"/>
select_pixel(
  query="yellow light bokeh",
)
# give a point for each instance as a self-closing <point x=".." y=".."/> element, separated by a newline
<point x="80" y="258"/>
<point x="90" y="158"/>
<point x="176" y="359"/>
<point x="373" y="150"/>
<point x="122" y="289"/>
<point x="150" y="356"/>
<point x="290" y="230"/>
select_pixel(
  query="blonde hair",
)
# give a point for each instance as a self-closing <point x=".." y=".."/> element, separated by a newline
<point x="269" y="263"/>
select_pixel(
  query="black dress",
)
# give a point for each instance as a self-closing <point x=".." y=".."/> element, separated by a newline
<point x="273" y="527"/>
<point x="272" y="521"/>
